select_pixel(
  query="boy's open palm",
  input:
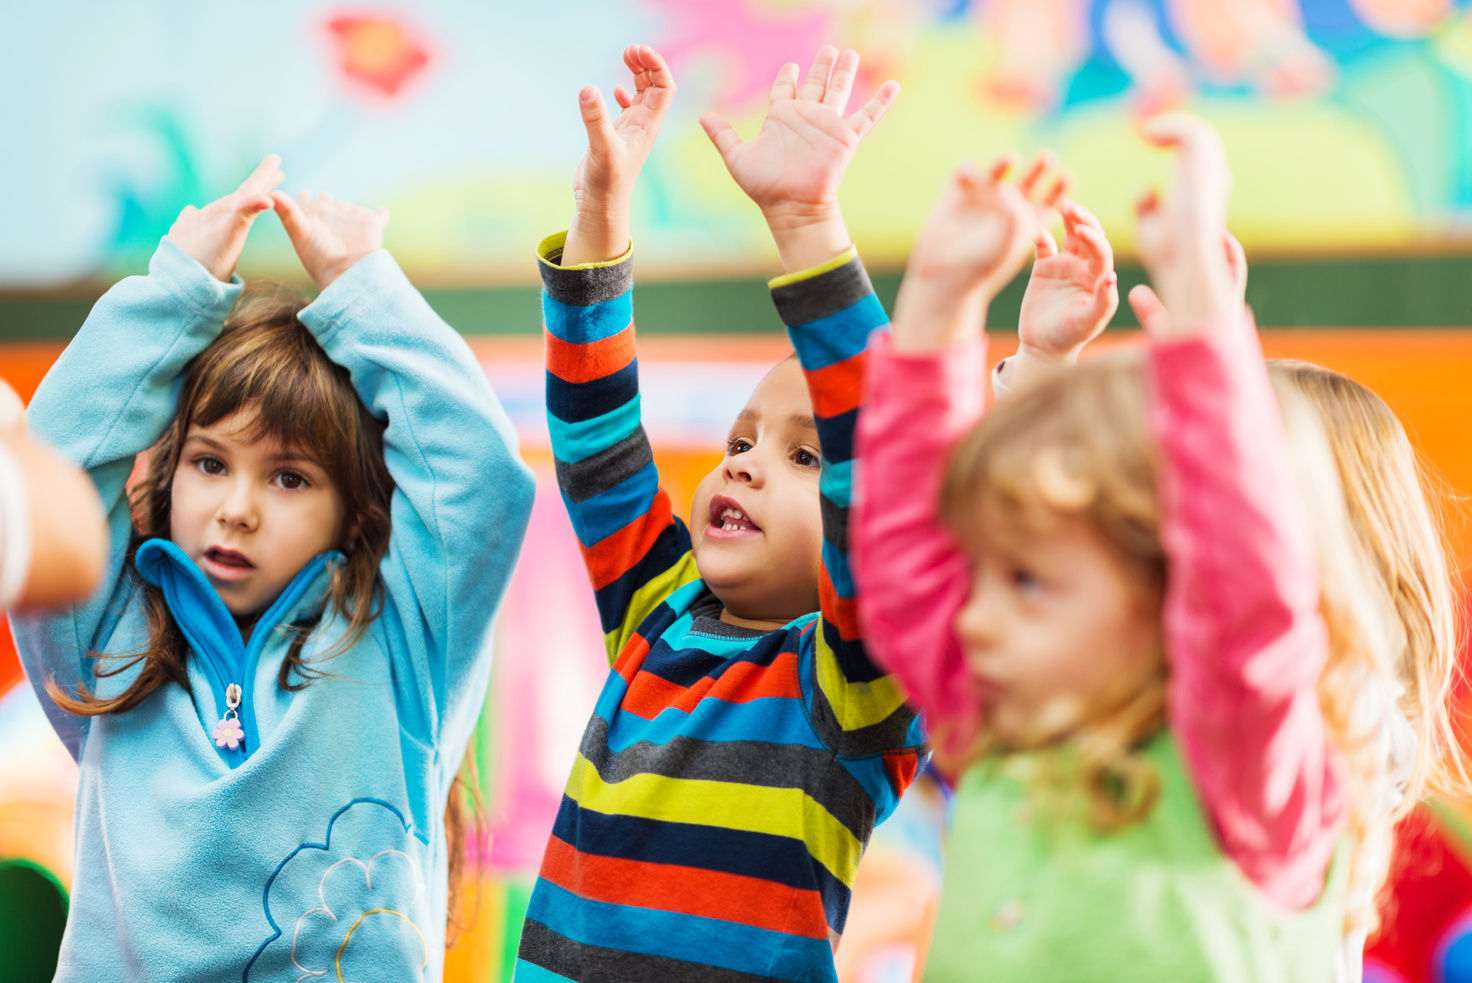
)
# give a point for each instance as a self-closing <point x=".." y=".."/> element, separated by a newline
<point x="329" y="235"/>
<point x="215" y="234"/>
<point x="617" y="148"/>
<point x="798" y="158"/>
<point x="1073" y="291"/>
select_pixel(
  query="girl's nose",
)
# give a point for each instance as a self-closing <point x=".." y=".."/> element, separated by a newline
<point x="745" y="468"/>
<point x="239" y="509"/>
<point x="978" y="623"/>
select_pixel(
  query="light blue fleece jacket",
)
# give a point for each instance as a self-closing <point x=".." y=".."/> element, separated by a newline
<point x="318" y="849"/>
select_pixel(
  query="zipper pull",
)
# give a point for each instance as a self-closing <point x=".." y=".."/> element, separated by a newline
<point x="228" y="732"/>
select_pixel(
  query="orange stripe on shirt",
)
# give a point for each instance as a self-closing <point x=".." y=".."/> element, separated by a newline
<point x="686" y="890"/>
<point x="841" y="612"/>
<point x="742" y="682"/>
<point x="583" y="363"/>
<point x="615" y="554"/>
<point x="632" y="657"/>
<point x="839" y="387"/>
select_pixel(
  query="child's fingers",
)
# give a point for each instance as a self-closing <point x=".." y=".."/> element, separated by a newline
<point x="293" y="218"/>
<point x="1150" y="312"/>
<point x="1200" y="154"/>
<point x="252" y="205"/>
<point x="1000" y="166"/>
<point x="1097" y="250"/>
<point x="623" y="97"/>
<point x="266" y="176"/>
<point x="785" y="84"/>
<point x="1043" y="244"/>
<point x="1062" y="184"/>
<point x="1075" y="214"/>
<point x="816" y="84"/>
<point x="661" y="81"/>
<point x="721" y="133"/>
<point x="1147" y="202"/>
<point x="1236" y="264"/>
<point x="1040" y="164"/>
<point x="864" y="118"/>
<point x="841" y="85"/>
<point x="595" y="118"/>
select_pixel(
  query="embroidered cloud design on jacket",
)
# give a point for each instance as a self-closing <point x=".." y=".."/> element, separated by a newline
<point x="350" y="908"/>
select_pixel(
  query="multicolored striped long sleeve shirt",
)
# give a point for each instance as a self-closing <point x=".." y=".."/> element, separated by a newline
<point x="728" y="780"/>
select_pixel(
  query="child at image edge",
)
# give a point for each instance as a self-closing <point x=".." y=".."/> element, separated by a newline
<point x="743" y="747"/>
<point x="272" y="692"/>
<point x="1205" y="851"/>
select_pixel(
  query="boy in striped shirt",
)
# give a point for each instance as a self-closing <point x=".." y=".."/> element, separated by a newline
<point x="743" y="747"/>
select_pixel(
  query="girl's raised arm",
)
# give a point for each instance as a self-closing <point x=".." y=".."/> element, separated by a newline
<point x="462" y="496"/>
<point x="109" y="397"/>
<point x="1241" y="616"/>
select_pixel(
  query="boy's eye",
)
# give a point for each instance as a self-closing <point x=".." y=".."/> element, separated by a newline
<point x="291" y="480"/>
<point x="209" y="464"/>
<point x="738" y="445"/>
<point x="805" y="458"/>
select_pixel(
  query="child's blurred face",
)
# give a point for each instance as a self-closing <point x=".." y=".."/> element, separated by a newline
<point x="1057" y="631"/>
<point x="250" y="513"/>
<point x="755" y="522"/>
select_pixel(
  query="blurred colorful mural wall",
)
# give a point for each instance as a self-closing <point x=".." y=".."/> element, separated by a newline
<point x="1349" y="124"/>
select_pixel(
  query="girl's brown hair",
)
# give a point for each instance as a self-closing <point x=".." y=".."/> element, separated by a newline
<point x="1078" y="443"/>
<point x="266" y="362"/>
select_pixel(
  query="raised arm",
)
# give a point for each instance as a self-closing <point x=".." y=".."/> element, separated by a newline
<point x="1241" y="619"/>
<point x="637" y="552"/>
<point x="109" y="397"/>
<point x="926" y="391"/>
<point x="462" y="496"/>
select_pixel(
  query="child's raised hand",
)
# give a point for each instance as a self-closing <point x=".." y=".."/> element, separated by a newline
<point x="214" y="235"/>
<point x="603" y="185"/>
<point x="1153" y="316"/>
<point x="1180" y="237"/>
<point x="974" y="242"/>
<point x="792" y="168"/>
<point x="1073" y="291"/>
<point x="329" y="235"/>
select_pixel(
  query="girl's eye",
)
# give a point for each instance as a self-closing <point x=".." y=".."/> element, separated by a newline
<point x="1026" y="582"/>
<point x="209" y="464"/>
<point x="291" y="481"/>
<point x="738" y="445"/>
<point x="805" y="458"/>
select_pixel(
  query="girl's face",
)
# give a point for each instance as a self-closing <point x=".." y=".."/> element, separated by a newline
<point x="250" y="513"/>
<point x="1056" y="632"/>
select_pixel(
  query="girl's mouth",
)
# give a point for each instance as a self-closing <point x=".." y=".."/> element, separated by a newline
<point x="728" y="520"/>
<point x="226" y="564"/>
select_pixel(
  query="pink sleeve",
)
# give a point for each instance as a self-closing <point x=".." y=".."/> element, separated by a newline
<point x="911" y="576"/>
<point x="1241" y="623"/>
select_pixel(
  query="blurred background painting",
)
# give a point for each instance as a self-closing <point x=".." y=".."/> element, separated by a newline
<point x="1349" y="124"/>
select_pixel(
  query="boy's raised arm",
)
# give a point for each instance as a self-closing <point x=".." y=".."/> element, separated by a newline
<point x="792" y="170"/>
<point x="635" y="549"/>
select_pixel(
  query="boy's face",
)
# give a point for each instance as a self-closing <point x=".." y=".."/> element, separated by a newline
<point x="755" y="522"/>
<point x="250" y="513"/>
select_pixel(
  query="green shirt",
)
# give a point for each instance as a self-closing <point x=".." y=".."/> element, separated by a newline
<point x="1035" y="895"/>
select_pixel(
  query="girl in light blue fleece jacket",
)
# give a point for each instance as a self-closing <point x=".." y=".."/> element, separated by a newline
<point x="271" y="694"/>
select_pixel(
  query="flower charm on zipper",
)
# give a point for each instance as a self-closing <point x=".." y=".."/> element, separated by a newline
<point x="228" y="732"/>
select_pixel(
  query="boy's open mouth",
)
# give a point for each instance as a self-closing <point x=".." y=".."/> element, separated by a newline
<point x="226" y="563"/>
<point x="728" y="519"/>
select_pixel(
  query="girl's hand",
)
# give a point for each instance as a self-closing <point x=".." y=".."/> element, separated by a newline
<point x="1180" y="238"/>
<point x="603" y="185"/>
<point x="974" y="242"/>
<point x="1073" y="292"/>
<point x="1153" y="316"/>
<point x="329" y="235"/>
<point x="793" y="166"/>
<point x="214" y="235"/>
